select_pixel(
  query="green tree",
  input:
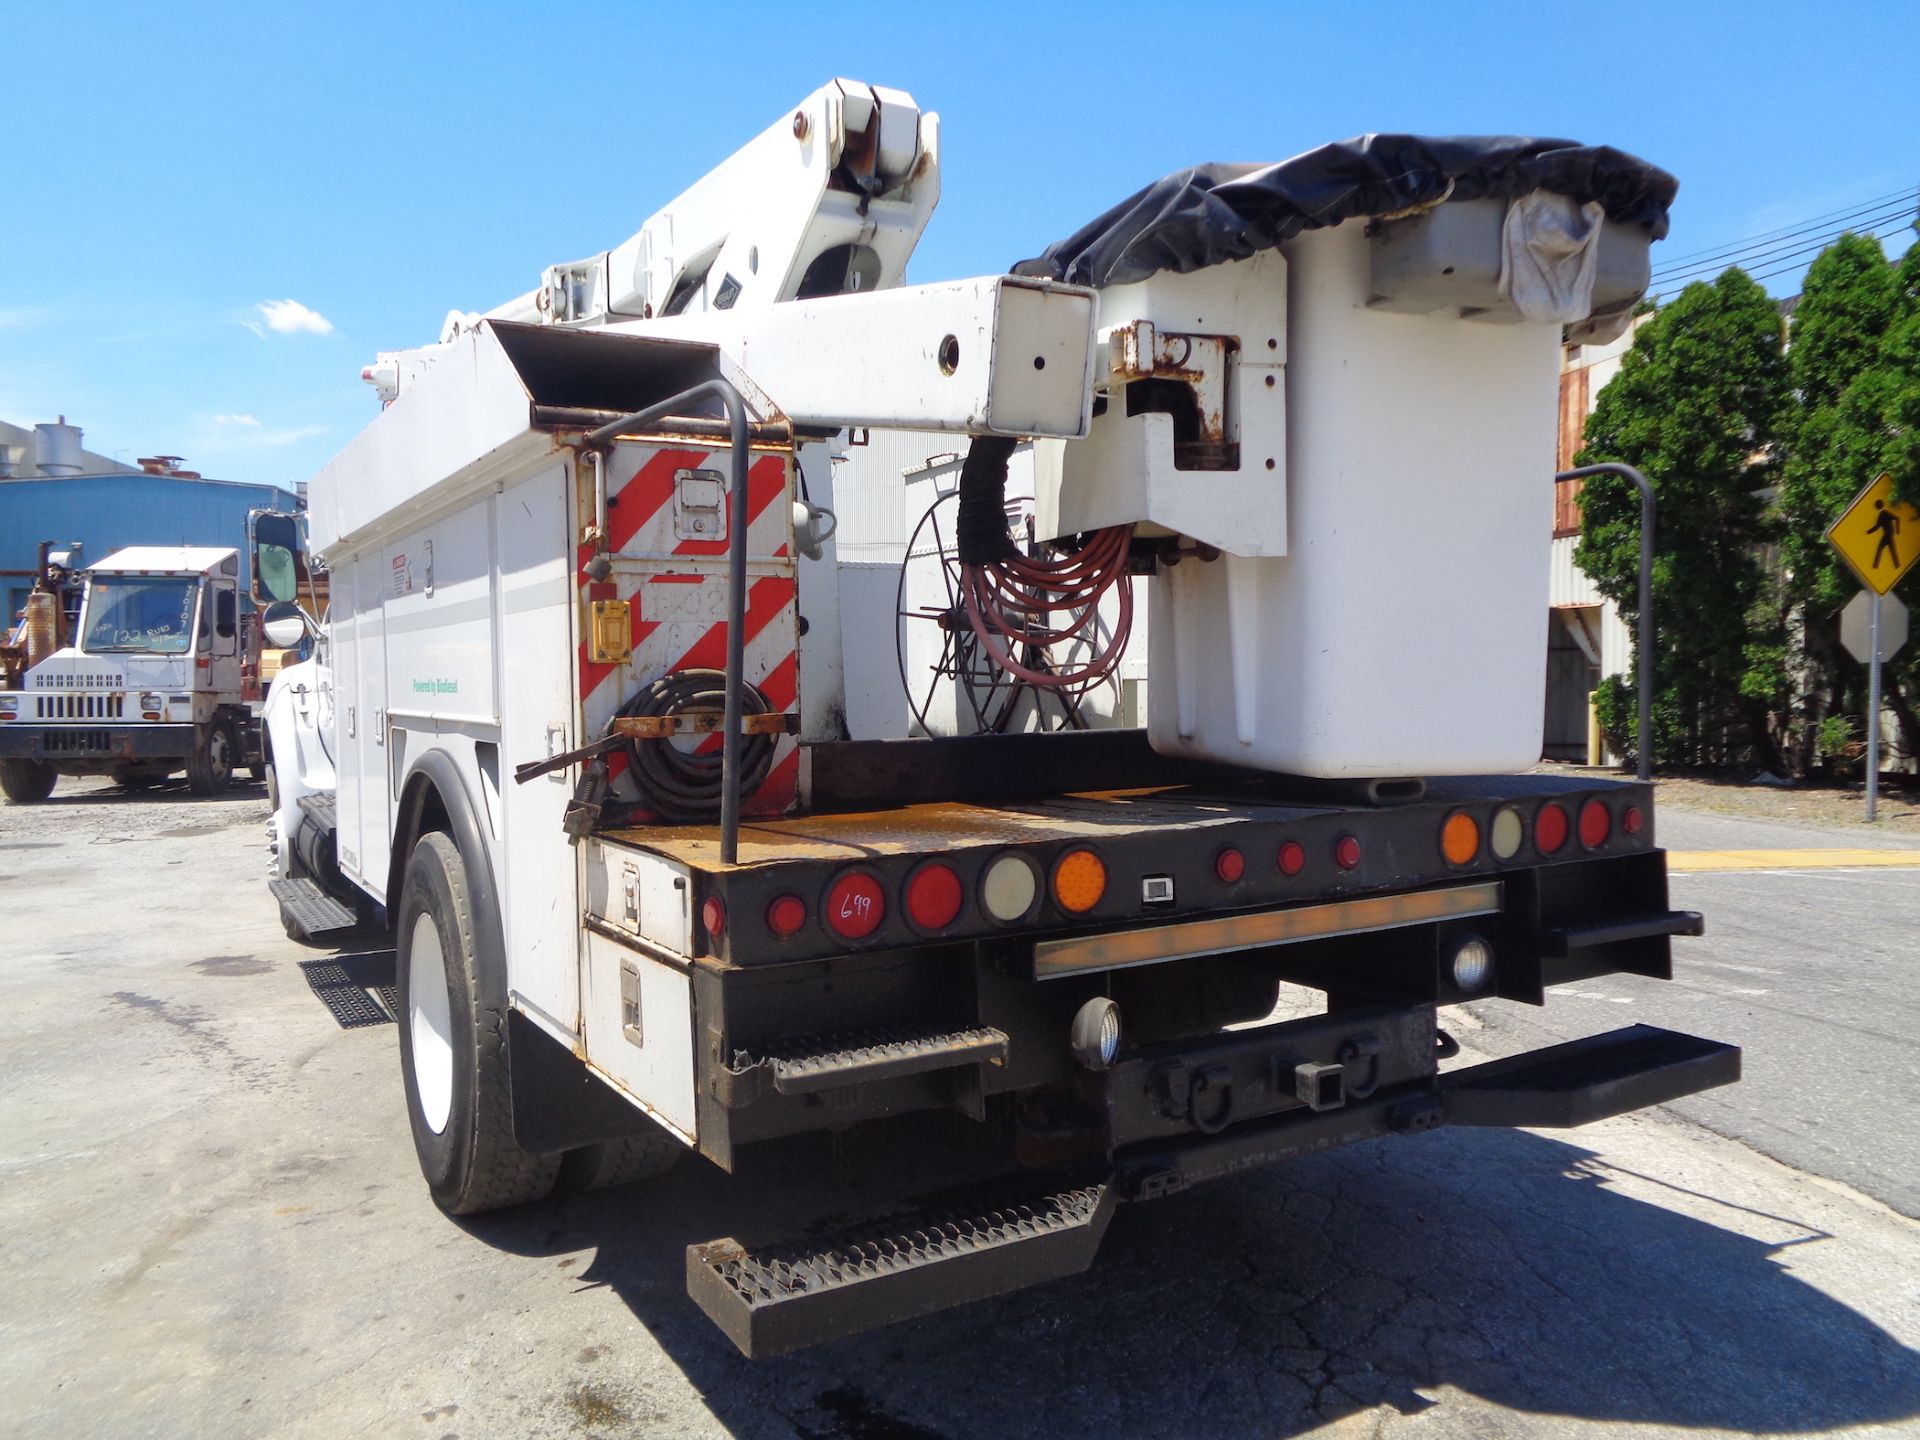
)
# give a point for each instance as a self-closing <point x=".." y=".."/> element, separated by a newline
<point x="1850" y="297"/>
<point x="1696" y="407"/>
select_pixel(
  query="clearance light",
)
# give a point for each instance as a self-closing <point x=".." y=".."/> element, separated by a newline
<point x="1550" y="828"/>
<point x="713" y="915"/>
<point x="1009" y="887"/>
<point x="855" y="906"/>
<point x="1595" y="824"/>
<point x="786" y="915"/>
<point x="1459" y="838"/>
<point x="1079" y="880"/>
<point x="933" y="896"/>
<point x="1472" y="963"/>
<point x="1292" y="858"/>
<point x="1229" y="865"/>
<point x="1346" y="852"/>
<point x="1507" y="833"/>
<point x="1633" y="821"/>
<point x="1095" y="1037"/>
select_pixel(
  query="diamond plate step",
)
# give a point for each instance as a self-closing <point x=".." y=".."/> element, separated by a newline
<point x="780" y="1298"/>
<point x="309" y="910"/>
<point x="806" y="1065"/>
<point x="319" y="809"/>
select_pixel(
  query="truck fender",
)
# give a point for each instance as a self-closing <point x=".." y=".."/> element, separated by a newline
<point x="434" y="790"/>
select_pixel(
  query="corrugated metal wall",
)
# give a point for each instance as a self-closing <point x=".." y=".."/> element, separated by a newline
<point x="108" y="512"/>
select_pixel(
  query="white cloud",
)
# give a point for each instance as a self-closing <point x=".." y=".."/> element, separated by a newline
<point x="290" y="317"/>
<point x="246" y="420"/>
<point x="25" y="317"/>
<point x="240" y="434"/>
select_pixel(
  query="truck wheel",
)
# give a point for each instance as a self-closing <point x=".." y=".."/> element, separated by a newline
<point x="453" y="1050"/>
<point x="210" y="767"/>
<point x="257" y="770"/>
<point x="27" y="782"/>
<point x="620" y="1162"/>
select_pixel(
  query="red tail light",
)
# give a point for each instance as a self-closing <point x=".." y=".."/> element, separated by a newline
<point x="1292" y="858"/>
<point x="1550" y="828"/>
<point x="786" y="915"/>
<point x="933" y="897"/>
<point x="1633" y="821"/>
<point x="713" y="915"/>
<point x="1230" y="865"/>
<point x="855" y="905"/>
<point x="1346" y="852"/>
<point x="1596" y="824"/>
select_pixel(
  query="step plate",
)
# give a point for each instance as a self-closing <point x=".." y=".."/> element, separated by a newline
<point x="1587" y="1080"/>
<point x="310" y="909"/>
<point x="780" y="1298"/>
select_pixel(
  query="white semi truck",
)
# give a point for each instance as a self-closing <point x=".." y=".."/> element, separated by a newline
<point x="576" y="725"/>
<point x="160" y="677"/>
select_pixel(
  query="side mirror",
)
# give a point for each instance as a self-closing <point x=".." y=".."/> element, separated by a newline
<point x="285" y="625"/>
<point x="279" y="552"/>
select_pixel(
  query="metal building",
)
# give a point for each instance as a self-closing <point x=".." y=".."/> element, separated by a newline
<point x="53" y="490"/>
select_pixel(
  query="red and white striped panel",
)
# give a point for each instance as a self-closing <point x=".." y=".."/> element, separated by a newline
<point x="676" y="588"/>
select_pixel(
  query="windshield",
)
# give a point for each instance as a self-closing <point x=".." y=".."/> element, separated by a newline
<point x="151" y="614"/>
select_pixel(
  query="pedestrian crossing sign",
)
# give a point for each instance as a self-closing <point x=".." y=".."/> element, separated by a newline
<point x="1878" y="536"/>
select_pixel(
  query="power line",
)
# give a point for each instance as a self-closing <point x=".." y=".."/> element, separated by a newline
<point x="1807" y="224"/>
<point x="1891" y="225"/>
<point x="1797" y="265"/>
<point x="1861" y="220"/>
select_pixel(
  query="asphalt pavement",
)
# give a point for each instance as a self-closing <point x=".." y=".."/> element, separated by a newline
<point x="1814" y="972"/>
<point x="211" y="1222"/>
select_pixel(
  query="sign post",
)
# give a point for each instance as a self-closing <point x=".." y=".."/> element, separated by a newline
<point x="1879" y="538"/>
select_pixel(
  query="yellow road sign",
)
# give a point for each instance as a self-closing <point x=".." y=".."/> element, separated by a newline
<point x="1878" y="536"/>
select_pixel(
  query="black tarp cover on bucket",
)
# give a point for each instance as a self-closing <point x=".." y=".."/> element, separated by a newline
<point x="1214" y="213"/>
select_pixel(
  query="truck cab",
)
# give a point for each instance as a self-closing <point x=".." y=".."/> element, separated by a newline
<point x="161" y="676"/>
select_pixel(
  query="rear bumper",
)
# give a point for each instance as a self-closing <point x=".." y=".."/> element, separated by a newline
<point x="1556" y="1088"/>
<point x="57" y="743"/>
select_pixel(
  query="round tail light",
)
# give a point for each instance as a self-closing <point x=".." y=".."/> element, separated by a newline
<point x="1292" y="858"/>
<point x="1229" y="865"/>
<point x="855" y="905"/>
<point x="933" y="896"/>
<point x="713" y="915"/>
<point x="1009" y="887"/>
<point x="1633" y="821"/>
<point x="1346" y="852"/>
<point x="1079" y="880"/>
<point x="1550" y="828"/>
<point x="1507" y="832"/>
<point x="1459" y="838"/>
<point x="1596" y="824"/>
<point x="785" y="915"/>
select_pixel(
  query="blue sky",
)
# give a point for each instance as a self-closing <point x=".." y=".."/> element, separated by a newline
<point x="172" y="169"/>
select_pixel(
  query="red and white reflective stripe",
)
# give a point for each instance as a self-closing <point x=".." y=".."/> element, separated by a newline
<point x="677" y="601"/>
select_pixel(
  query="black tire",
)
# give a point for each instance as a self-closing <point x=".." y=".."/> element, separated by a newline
<point x="210" y="767"/>
<point x="620" y="1162"/>
<point x="257" y="770"/>
<point x="472" y="1162"/>
<point x="27" y="782"/>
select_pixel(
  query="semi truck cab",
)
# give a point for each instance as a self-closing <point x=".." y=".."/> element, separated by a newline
<point x="162" y="675"/>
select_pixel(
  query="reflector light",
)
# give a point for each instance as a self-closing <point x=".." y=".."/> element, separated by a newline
<point x="1550" y="828"/>
<point x="1346" y="852"/>
<point x="1079" y="880"/>
<point x="855" y="905"/>
<point x="1292" y="858"/>
<point x="713" y="915"/>
<point x="1596" y="824"/>
<point x="1009" y="888"/>
<point x="1230" y="865"/>
<point x="933" y="897"/>
<point x="1095" y="1036"/>
<point x="1472" y="963"/>
<point x="1633" y="820"/>
<point x="1459" y="838"/>
<point x="1507" y="832"/>
<point x="786" y="915"/>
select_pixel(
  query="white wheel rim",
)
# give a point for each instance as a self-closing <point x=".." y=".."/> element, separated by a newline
<point x="430" y="1024"/>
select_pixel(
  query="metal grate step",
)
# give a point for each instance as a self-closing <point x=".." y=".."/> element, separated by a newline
<point x="319" y="809"/>
<point x="309" y="910"/>
<point x="803" y="1065"/>
<point x="781" y="1298"/>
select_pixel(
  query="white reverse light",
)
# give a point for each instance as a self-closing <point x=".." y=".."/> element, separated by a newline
<point x="1009" y="887"/>
<point x="1472" y="963"/>
<point x="1095" y="1036"/>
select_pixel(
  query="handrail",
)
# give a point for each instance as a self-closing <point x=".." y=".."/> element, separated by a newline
<point x="736" y="407"/>
<point x="1643" y="641"/>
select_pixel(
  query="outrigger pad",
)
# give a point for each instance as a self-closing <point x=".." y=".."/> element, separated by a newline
<point x="786" y="1297"/>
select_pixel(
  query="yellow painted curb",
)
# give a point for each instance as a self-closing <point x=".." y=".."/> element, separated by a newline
<point x="1700" y="862"/>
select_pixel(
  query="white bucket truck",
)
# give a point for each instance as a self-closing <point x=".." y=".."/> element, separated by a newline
<point x="575" y="730"/>
<point x="159" y="678"/>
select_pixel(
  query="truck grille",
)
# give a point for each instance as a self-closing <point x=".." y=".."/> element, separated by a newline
<point x="75" y="742"/>
<point x="80" y="707"/>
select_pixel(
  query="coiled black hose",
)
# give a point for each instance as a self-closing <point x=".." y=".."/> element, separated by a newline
<point x="678" y="784"/>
